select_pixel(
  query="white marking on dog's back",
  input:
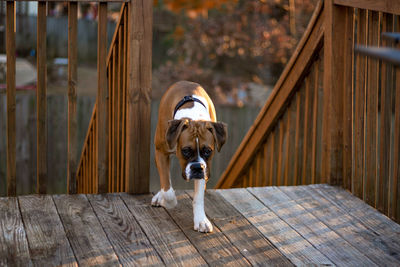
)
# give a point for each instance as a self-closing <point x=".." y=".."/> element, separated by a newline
<point x="197" y="112"/>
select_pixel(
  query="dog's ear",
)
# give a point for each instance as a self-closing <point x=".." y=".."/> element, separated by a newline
<point x="175" y="127"/>
<point x="220" y="132"/>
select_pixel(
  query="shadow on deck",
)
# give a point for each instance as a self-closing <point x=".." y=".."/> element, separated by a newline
<point x="316" y="224"/>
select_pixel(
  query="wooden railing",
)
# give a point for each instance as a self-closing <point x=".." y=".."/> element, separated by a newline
<point x="116" y="108"/>
<point x="128" y="104"/>
<point x="127" y="66"/>
<point x="333" y="116"/>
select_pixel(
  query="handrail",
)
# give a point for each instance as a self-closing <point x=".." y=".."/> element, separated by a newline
<point x="294" y="70"/>
<point x="387" y="6"/>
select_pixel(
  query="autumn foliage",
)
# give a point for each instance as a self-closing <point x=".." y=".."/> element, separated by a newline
<point x="227" y="44"/>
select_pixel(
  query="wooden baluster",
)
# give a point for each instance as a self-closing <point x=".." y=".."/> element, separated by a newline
<point x="124" y="78"/>
<point x="371" y="122"/>
<point x="72" y="95"/>
<point x="394" y="211"/>
<point x="297" y="158"/>
<point x="385" y="125"/>
<point x="314" y="123"/>
<point x="359" y="116"/>
<point x="272" y="156"/>
<point x="348" y="70"/>
<point x="279" y="172"/>
<point x="267" y="161"/>
<point x="11" y="124"/>
<point x="119" y="105"/>
<point x="102" y="99"/>
<point x="113" y="121"/>
<point x="41" y="99"/>
<point x="306" y="137"/>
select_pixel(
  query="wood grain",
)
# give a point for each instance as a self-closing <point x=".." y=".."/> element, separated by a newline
<point x="140" y="25"/>
<point x="348" y="70"/>
<point x="371" y="125"/>
<point x="360" y="237"/>
<point x="242" y="234"/>
<point x="127" y="238"/>
<point x="101" y="113"/>
<point x="11" y="104"/>
<point x="223" y="253"/>
<point x="359" y="95"/>
<point x="166" y="237"/>
<point x="328" y="242"/>
<point x="385" y="125"/>
<point x="84" y="231"/>
<point x="45" y="233"/>
<point x="41" y="104"/>
<point x="14" y="250"/>
<point x="72" y="95"/>
<point x="290" y="243"/>
<point x="364" y="214"/>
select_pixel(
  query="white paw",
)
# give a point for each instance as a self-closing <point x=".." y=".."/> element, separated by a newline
<point x="166" y="199"/>
<point x="203" y="225"/>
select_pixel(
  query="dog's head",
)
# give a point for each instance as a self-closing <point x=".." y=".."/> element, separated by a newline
<point x="195" y="143"/>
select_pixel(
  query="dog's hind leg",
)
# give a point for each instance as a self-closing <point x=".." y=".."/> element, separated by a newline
<point x="166" y="196"/>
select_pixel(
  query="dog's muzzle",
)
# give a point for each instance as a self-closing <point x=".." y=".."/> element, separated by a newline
<point x="195" y="170"/>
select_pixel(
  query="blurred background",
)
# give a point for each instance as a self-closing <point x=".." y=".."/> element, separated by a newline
<point x="236" y="49"/>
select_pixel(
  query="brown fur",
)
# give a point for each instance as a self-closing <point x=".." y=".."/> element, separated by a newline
<point x="171" y="136"/>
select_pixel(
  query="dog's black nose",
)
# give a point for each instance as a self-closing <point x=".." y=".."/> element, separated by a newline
<point x="197" y="167"/>
<point x="197" y="170"/>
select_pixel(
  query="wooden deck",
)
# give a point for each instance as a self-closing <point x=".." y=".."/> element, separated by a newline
<point x="316" y="224"/>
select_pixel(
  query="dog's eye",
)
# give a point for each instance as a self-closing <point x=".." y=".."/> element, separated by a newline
<point x="206" y="152"/>
<point x="187" y="152"/>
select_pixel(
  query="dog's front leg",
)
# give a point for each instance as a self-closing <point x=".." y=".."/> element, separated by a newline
<point x="166" y="196"/>
<point x="201" y="222"/>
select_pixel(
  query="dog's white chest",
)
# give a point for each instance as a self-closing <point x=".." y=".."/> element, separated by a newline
<point x="197" y="112"/>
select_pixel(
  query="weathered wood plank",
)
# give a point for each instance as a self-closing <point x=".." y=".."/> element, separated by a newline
<point x="11" y="102"/>
<point x="72" y="95"/>
<point x="328" y="242"/>
<point x="14" y="250"/>
<point x="84" y="232"/>
<point x="291" y="244"/>
<point x="48" y="243"/>
<point x="101" y="113"/>
<point x="127" y="238"/>
<point x="364" y="240"/>
<point x="139" y="95"/>
<point x="257" y="249"/>
<point x="365" y="214"/>
<point x="166" y="237"/>
<point x="222" y="252"/>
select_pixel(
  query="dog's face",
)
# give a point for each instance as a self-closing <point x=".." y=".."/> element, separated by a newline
<point x="195" y="143"/>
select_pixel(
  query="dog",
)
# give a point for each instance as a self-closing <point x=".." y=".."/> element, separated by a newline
<point x="187" y="126"/>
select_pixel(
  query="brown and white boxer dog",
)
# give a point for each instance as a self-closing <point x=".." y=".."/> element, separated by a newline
<point x="187" y="126"/>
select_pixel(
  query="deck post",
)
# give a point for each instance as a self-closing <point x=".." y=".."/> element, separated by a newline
<point x="41" y="99"/>
<point x="137" y="166"/>
<point x="72" y="84"/>
<point x="337" y="83"/>
<point x="101" y="103"/>
<point x="11" y="123"/>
